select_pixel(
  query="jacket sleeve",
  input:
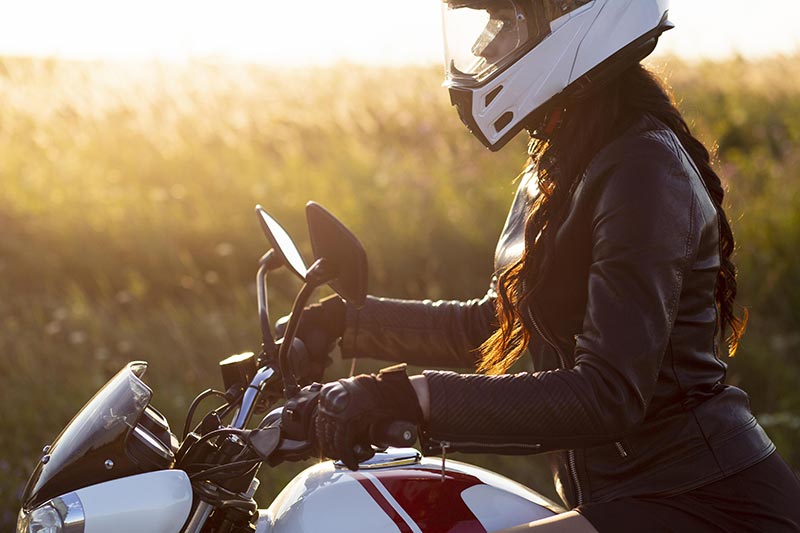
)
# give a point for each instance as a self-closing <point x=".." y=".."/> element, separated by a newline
<point x="420" y="332"/>
<point x="642" y="235"/>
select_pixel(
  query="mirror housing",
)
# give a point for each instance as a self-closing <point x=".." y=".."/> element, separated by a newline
<point x="331" y="240"/>
<point x="285" y="249"/>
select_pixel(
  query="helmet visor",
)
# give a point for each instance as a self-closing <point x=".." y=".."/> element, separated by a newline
<point x="482" y="36"/>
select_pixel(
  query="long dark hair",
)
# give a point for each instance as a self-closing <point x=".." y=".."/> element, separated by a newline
<point x="586" y="126"/>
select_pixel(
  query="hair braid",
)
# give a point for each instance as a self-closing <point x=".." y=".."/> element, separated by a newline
<point x="726" y="286"/>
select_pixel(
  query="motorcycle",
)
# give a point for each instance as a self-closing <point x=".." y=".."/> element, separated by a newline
<point x="117" y="466"/>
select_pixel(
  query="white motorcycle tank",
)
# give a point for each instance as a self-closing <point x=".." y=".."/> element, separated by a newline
<point x="399" y="491"/>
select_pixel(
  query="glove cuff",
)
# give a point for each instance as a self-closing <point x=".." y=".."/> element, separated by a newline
<point x="394" y="380"/>
<point x="334" y="310"/>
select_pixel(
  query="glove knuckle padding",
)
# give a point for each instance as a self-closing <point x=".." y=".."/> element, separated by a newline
<point x="335" y="399"/>
<point x="349" y="407"/>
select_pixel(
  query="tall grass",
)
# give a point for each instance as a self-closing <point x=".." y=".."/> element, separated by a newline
<point x="128" y="232"/>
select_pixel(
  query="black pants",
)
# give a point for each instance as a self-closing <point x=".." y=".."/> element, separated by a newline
<point x="763" y="498"/>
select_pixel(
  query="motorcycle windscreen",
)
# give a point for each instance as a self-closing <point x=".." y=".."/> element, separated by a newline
<point x="91" y="449"/>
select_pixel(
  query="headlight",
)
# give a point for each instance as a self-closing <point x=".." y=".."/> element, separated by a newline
<point x="60" y="515"/>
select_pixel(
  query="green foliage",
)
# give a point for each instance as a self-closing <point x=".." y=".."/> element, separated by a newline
<point x="128" y="229"/>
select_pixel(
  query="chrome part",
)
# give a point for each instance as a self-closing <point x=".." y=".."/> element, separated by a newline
<point x="138" y="368"/>
<point x="251" y="395"/>
<point x="45" y="459"/>
<point x="70" y="508"/>
<point x="198" y="518"/>
<point x="390" y="458"/>
<point x="109" y="464"/>
<point x="153" y="443"/>
<point x="46" y="449"/>
<point x="251" y="490"/>
<point x="444" y="446"/>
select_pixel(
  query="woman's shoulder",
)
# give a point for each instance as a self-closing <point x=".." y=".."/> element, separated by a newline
<point x="648" y="153"/>
<point x="646" y="165"/>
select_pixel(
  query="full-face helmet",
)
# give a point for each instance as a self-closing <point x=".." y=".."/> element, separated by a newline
<point x="509" y="62"/>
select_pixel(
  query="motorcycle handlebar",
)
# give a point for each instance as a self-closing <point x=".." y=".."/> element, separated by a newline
<point x="395" y="433"/>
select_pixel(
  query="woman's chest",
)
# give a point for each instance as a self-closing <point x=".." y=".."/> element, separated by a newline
<point x="560" y="302"/>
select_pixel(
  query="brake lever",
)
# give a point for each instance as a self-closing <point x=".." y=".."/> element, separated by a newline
<point x="264" y="441"/>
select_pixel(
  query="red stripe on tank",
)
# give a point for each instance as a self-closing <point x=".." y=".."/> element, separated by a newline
<point x="383" y="503"/>
<point x="435" y="505"/>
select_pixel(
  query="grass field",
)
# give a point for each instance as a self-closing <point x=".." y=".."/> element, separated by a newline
<point x="128" y="232"/>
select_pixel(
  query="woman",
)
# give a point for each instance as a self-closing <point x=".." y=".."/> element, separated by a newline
<point x="615" y="274"/>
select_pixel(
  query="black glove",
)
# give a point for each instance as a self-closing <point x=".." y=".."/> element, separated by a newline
<point x="321" y="325"/>
<point x="348" y="408"/>
<point x="298" y="434"/>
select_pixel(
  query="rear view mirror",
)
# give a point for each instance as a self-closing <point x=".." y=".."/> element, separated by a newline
<point x="331" y="240"/>
<point x="285" y="249"/>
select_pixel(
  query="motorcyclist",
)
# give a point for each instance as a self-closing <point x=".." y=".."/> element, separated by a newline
<point x="614" y="272"/>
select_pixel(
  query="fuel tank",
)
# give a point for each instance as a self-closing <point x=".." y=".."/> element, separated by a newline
<point x="398" y="490"/>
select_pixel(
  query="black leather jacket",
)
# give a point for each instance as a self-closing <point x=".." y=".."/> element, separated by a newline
<point x="628" y="387"/>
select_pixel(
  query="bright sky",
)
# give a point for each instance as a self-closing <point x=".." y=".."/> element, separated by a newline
<point x="324" y="31"/>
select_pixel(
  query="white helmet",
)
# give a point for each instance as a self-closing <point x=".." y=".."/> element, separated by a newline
<point x="506" y="59"/>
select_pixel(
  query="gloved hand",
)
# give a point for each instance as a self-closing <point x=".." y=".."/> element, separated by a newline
<point x="348" y="408"/>
<point x="321" y="325"/>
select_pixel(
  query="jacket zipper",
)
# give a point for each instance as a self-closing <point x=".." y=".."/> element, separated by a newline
<point x="571" y="455"/>
<point x="621" y="449"/>
<point x="447" y="444"/>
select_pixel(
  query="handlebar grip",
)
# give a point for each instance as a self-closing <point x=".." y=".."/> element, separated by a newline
<point x="396" y="433"/>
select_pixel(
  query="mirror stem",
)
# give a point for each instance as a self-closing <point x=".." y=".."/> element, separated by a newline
<point x="318" y="274"/>
<point x="269" y="261"/>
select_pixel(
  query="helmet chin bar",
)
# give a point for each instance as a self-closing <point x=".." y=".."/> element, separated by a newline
<point x="462" y="100"/>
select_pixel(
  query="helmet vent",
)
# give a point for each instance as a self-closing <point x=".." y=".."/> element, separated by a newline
<point x="492" y="95"/>
<point x="503" y="121"/>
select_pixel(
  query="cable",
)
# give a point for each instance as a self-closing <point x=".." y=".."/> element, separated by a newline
<point x="217" y="433"/>
<point x="223" y="468"/>
<point x="221" y="498"/>
<point x="196" y="402"/>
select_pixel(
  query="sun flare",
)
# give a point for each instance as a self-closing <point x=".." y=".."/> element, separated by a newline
<point x="319" y="32"/>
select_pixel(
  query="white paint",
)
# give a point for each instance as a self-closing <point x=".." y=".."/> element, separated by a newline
<point x="156" y="502"/>
<point x="497" y="509"/>
<point x="394" y="503"/>
<point x="324" y="499"/>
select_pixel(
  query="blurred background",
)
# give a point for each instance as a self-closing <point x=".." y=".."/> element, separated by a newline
<point x="135" y="139"/>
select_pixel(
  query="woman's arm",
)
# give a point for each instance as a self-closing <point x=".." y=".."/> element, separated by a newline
<point x="420" y="332"/>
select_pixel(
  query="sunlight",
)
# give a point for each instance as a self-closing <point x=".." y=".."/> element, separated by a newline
<point x="320" y="32"/>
